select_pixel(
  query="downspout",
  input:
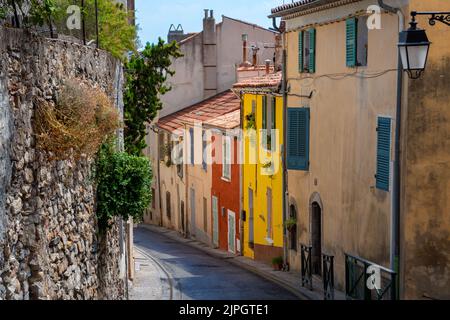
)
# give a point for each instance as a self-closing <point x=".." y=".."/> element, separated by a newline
<point x="283" y="149"/>
<point x="396" y="210"/>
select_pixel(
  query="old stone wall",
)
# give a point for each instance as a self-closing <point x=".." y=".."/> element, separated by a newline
<point x="49" y="244"/>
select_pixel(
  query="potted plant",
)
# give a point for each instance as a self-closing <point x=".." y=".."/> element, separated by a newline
<point x="291" y="224"/>
<point x="277" y="263"/>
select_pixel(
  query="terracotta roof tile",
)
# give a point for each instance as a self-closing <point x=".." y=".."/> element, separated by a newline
<point x="221" y="110"/>
<point x="270" y="81"/>
<point x="289" y="7"/>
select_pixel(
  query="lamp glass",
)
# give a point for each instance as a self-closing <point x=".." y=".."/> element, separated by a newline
<point x="414" y="57"/>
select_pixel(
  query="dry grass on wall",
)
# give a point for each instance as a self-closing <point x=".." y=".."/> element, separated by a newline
<point x="77" y="123"/>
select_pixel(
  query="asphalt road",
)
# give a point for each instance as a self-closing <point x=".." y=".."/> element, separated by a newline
<point x="186" y="273"/>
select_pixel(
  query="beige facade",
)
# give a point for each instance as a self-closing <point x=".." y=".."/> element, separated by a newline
<point x="337" y="203"/>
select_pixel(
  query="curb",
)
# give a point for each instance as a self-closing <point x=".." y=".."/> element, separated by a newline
<point x="231" y="259"/>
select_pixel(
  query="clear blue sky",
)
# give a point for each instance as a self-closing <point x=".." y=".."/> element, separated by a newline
<point x="154" y="18"/>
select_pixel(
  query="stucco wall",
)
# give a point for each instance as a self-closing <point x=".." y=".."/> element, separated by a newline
<point x="425" y="255"/>
<point x="344" y="110"/>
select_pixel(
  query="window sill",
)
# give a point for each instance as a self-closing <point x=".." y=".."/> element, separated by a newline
<point x="226" y="179"/>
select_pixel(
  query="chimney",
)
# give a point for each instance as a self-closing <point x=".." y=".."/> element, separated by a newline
<point x="267" y="66"/>
<point x="244" y="48"/>
<point x="209" y="54"/>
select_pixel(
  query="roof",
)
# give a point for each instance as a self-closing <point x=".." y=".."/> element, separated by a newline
<point x="221" y="111"/>
<point x="268" y="81"/>
<point x="297" y="6"/>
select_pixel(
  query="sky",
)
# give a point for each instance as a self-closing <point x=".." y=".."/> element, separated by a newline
<point x="155" y="17"/>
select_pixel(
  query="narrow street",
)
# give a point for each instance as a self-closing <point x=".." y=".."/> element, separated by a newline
<point x="182" y="272"/>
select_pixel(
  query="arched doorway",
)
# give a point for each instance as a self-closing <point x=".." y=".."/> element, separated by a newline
<point x="316" y="238"/>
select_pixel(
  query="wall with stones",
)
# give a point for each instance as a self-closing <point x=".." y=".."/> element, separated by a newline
<point x="49" y="244"/>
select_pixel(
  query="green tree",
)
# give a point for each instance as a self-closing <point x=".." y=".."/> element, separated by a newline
<point x="147" y="73"/>
<point x="123" y="185"/>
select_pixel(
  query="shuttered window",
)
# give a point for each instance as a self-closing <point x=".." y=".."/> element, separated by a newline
<point x="191" y="134"/>
<point x="351" y="45"/>
<point x="300" y="51"/>
<point x="298" y="139"/>
<point x="312" y="50"/>
<point x="383" y="153"/>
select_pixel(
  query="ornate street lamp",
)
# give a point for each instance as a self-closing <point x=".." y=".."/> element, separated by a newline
<point x="414" y="44"/>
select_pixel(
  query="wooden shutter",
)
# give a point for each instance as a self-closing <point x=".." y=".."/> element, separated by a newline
<point x="312" y="50"/>
<point x="274" y="112"/>
<point x="264" y="112"/>
<point x="383" y="153"/>
<point x="298" y="139"/>
<point x="191" y="133"/>
<point x="351" y="42"/>
<point x="300" y="51"/>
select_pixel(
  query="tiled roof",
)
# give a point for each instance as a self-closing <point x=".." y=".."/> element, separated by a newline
<point x="269" y="81"/>
<point x="298" y="5"/>
<point x="221" y="110"/>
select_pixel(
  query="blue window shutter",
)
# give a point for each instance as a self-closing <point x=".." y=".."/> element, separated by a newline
<point x="298" y="139"/>
<point x="312" y="50"/>
<point x="351" y="45"/>
<point x="300" y="51"/>
<point x="191" y="133"/>
<point x="383" y="153"/>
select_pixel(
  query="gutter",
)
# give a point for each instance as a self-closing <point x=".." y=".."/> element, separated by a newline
<point x="396" y="210"/>
<point x="283" y="150"/>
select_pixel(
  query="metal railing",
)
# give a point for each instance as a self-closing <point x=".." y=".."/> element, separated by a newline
<point x="365" y="280"/>
<point x="328" y="277"/>
<point x="306" y="253"/>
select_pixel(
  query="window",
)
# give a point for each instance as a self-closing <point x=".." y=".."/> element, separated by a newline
<point x="168" y="206"/>
<point x="153" y="198"/>
<point x="162" y="143"/>
<point x="293" y="231"/>
<point x="383" y="153"/>
<point x="307" y="51"/>
<point x="204" y="146"/>
<point x="298" y="139"/>
<point x="269" y="120"/>
<point x="205" y="215"/>
<point x="180" y="161"/>
<point x="357" y="35"/>
<point x="191" y="134"/>
<point x="226" y="158"/>
<point x="269" y="213"/>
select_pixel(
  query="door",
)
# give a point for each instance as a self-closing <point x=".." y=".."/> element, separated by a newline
<point x="192" y="229"/>
<point x="231" y="231"/>
<point x="251" y="228"/>
<point x="316" y="237"/>
<point x="215" y="209"/>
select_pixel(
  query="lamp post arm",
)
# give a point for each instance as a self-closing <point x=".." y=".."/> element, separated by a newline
<point x="434" y="16"/>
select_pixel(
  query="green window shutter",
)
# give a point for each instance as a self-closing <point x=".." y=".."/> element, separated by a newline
<point x="300" y="51"/>
<point x="298" y="139"/>
<point x="312" y="50"/>
<point x="351" y="39"/>
<point x="383" y="153"/>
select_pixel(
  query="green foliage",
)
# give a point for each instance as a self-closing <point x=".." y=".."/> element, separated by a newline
<point x="251" y="121"/>
<point x="42" y="11"/>
<point x="123" y="185"/>
<point x="291" y="223"/>
<point x="147" y="72"/>
<point x="116" y="34"/>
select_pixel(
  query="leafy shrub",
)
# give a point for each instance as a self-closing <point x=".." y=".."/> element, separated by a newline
<point x="77" y="124"/>
<point x="123" y="185"/>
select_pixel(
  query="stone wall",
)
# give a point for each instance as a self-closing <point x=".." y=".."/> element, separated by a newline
<point x="49" y="244"/>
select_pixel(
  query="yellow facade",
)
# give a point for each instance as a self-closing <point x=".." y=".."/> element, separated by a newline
<point x="262" y="181"/>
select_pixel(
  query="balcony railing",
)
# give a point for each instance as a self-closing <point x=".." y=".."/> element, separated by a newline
<point x="365" y="280"/>
<point x="328" y="276"/>
<point x="306" y="267"/>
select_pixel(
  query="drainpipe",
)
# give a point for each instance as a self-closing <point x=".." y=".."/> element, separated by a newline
<point x="283" y="150"/>
<point x="395" y="215"/>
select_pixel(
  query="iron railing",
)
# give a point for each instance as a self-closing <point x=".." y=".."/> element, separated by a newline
<point x="365" y="280"/>
<point x="328" y="277"/>
<point x="306" y="253"/>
